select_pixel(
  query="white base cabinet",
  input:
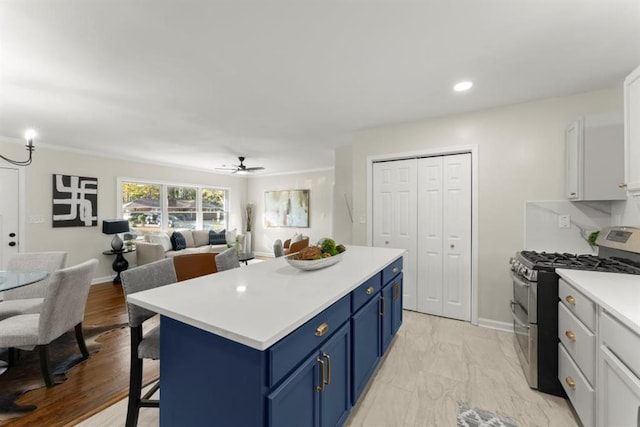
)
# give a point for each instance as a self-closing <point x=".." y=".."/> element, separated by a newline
<point x="577" y="350"/>
<point x="619" y="382"/>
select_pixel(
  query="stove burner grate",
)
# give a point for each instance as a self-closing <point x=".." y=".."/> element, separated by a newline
<point x="580" y="262"/>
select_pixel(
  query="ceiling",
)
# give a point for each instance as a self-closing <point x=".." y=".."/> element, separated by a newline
<point x="200" y="82"/>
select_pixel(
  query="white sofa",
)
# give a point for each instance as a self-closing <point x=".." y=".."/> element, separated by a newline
<point x="158" y="246"/>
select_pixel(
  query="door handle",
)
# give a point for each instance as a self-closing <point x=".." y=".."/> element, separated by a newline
<point x="327" y="380"/>
<point x="381" y="306"/>
<point x="321" y="386"/>
<point x="12" y="244"/>
<point x="396" y="291"/>
<point x="12" y="234"/>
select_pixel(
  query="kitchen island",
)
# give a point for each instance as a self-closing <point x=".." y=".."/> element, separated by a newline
<point x="270" y="345"/>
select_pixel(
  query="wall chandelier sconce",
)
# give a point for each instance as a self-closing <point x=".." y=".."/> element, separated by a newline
<point x="29" y="135"/>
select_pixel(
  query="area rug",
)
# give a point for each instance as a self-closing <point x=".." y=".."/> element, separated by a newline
<point x="26" y="375"/>
<point x="474" y="417"/>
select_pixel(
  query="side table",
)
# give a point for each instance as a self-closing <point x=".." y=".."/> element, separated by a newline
<point x="120" y="264"/>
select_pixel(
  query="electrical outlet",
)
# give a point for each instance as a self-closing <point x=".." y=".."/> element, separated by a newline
<point x="564" y="221"/>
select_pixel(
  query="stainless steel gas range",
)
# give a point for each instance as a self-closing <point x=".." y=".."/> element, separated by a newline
<point x="535" y="299"/>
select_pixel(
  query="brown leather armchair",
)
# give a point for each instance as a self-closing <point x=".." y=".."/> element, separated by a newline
<point x="290" y="248"/>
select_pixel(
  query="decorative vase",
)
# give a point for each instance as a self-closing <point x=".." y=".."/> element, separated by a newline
<point x="247" y="242"/>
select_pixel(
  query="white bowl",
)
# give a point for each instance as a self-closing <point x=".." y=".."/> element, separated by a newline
<point x="314" y="264"/>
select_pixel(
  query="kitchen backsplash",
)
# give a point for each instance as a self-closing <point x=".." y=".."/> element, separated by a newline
<point x="562" y="226"/>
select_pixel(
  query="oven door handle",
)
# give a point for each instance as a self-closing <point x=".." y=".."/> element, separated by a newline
<point x="518" y="280"/>
<point x="515" y="317"/>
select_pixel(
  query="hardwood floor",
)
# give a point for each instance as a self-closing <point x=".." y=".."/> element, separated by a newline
<point x="95" y="383"/>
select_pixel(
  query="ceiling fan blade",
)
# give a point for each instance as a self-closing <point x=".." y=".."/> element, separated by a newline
<point x="226" y="169"/>
<point x="257" y="168"/>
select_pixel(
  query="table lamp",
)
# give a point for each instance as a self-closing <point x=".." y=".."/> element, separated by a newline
<point x="115" y="226"/>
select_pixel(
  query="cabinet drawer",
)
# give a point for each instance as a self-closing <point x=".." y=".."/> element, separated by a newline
<point x="579" y="341"/>
<point x="364" y="292"/>
<point x="578" y="304"/>
<point x="622" y="341"/>
<point x="391" y="271"/>
<point x="292" y="349"/>
<point x="580" y="393"/>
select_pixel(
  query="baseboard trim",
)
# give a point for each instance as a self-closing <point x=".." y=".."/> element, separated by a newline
<point x="104" y="279"/>
<point x="495" y="324"/>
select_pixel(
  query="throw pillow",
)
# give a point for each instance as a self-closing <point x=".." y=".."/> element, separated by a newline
<point x="231" y="237"/>
<point x="162" y="239"/>
<point x="188" y="238"/>
<point x="217" y="238"/>
<point x="177" y="241"/>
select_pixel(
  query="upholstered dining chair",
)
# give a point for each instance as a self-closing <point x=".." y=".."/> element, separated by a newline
<point x="143" y="346"/>
<point x="227" y="260"/>
<point x="62" y="308"/>
<point x="278" y="250"/>
<point x="28" y="299"/>
<point x="189" y="266"/>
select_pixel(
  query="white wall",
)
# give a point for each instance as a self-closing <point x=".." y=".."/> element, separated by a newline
<point x="83" y="243"/>
<point x="343" y="195"/>
<point x="521" y="157"/>
<point x="320" y="204"/>
<point x="629" y="212"/>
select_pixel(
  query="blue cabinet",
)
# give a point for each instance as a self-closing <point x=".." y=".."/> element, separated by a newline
<point x="376" y="319"/>
<point x="317" y="393"/>
<point x="366" y="327"/>
<point x="391" y="310"/>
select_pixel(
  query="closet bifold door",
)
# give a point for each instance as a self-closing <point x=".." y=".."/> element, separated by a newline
<point x="444" y="236"/>
<point x="395" y="216"/>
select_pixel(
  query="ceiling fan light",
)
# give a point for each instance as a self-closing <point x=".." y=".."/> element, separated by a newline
<point x="242" y="172"/>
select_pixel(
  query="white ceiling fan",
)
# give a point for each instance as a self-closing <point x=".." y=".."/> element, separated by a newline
<point x="241" y="168"/>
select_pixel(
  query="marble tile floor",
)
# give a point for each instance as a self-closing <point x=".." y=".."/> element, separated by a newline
<point x="433" y="363"/>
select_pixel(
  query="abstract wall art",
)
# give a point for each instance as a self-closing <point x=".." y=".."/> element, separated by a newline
<point x="288" y="208"/>
<point x="75" y="201"/>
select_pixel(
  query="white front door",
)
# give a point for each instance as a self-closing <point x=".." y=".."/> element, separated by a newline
<point x="8" y="214"/>
<point x="444" y="236"/>
<point x="395" y="216"/>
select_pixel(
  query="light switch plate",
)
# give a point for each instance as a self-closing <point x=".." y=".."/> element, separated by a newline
<point x="36" y="219"/>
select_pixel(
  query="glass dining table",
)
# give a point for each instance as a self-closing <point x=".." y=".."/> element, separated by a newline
<point x="15" y="279"/>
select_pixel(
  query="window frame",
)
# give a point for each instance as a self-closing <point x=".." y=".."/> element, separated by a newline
<point x="164" y="202"/>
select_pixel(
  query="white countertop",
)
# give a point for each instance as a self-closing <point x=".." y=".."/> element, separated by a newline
<point x="258" y="304"/>
<point x="617" y="293"/>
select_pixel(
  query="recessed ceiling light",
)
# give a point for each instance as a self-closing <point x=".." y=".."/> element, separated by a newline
<point x="462" y="86"/>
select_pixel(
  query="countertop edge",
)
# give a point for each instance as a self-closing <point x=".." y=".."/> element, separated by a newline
<point x="267" y="342"/>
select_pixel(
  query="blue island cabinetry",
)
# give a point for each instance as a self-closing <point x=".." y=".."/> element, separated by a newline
<point x="311" y="377"/>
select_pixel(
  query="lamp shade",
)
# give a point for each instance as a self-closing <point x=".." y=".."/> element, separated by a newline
<point x="114" y="226"/>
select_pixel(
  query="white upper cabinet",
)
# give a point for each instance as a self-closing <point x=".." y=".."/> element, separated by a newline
<point x="595" y="158"/>
<point x="632" y="132"/>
